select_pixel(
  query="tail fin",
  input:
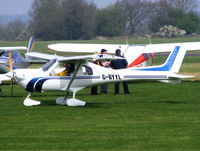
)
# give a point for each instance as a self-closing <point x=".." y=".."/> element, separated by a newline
<point x="30" y="45"/>
<point x="173" y="62"/>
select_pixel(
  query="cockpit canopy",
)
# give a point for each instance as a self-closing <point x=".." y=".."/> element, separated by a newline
<point x="49" y="64"/>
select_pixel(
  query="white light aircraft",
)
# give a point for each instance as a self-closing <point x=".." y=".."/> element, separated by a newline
<point x="84" y="73"/>
<point x="10" y="58"/>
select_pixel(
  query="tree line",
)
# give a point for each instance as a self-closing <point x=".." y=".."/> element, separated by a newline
<point x="81" y="19"/>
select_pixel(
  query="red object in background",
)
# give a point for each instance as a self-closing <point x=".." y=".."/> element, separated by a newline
<point x="143" y="57"/>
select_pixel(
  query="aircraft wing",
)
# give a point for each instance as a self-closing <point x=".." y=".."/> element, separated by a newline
<point x="86" y="48"/>
<point x="167" y="47"/>
<point x="43" y="55"/>
<point x="68" y="58"/>
<point x="13" y="48"/>
<point x="150" y="48"/>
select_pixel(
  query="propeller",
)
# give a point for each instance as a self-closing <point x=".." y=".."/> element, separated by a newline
<point x="11" y="70"/>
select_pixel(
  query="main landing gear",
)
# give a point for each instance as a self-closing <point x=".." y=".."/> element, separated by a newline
<point x="60" y="101"/>
<point x="70" y="102"/>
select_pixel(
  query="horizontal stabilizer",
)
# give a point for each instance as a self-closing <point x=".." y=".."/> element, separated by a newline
<point x="174" y="81"/>
<point x="175" y="78"/>
<point x="180" y="76"/>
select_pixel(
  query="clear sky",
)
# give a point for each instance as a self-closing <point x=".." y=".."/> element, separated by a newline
<point x="103" y="3"/>
<point x="19" y="7"/>
<point x="15" y="7"/>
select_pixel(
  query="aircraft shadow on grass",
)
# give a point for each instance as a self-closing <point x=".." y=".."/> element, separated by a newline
<point x="171" y="102"/>
<point x="88" y="105"/>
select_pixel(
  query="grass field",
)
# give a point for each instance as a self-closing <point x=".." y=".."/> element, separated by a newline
<point x="155" y="117"/>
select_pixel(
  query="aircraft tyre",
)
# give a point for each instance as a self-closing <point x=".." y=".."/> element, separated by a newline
<point x="69" y="102"/>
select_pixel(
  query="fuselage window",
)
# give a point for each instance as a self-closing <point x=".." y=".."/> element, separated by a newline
<point x="87" y="70"/>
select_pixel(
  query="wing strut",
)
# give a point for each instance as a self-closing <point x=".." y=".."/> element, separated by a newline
<point x="72" y="79"/>
<point x="72" y="101"/>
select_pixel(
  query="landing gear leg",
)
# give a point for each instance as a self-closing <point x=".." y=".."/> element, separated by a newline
<point x="30" y="102"/>
<point x="1" y="92"/>
<point x="70" y="102"/>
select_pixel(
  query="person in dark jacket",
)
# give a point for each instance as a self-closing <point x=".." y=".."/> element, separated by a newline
<point x="120" y="64"/>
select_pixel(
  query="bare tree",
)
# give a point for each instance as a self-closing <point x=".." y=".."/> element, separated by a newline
<point x="184" y="5"/>
<point x="135" y="13"/>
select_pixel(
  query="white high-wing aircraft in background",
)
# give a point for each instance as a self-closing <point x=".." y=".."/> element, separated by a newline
<point x="8" y="54"/>
<point x="84" y="73"/>
<point x="136" y="55"/>
<point x="10" y="58"/>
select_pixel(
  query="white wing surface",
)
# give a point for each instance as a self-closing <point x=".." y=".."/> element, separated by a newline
<point x="169" y="46"/>
<point x="68" y="58"/>
<point x="150" y="48"/>
<point x="13" y="48"/>
<point x="87" y="48"/>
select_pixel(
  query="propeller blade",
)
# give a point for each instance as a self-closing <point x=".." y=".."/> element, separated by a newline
<point x="11" y="69"/>
<point x="10" y="61"/>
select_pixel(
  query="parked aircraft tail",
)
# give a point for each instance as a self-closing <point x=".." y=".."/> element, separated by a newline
<point x="30" y="45"/>
<point x="173" y="62"/>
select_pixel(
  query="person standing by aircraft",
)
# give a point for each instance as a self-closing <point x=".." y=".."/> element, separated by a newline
<point x="120" y="64"/>
<point x="94" y="89"/>
<point x="104" y="88"/>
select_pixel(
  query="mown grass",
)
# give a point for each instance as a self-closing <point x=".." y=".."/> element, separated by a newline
<point x="155" y="116"/>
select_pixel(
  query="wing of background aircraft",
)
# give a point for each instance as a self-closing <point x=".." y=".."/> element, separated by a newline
<point x="12" y="53"/>
<point x="136" y="55"/>
<point x="149" y="48"/>
<point x="167" y="47"/>
<point x="87" y="48"/>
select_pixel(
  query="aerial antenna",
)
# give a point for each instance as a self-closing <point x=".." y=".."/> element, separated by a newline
<point x="149" y="39"/>
<point x="126" y="40"/>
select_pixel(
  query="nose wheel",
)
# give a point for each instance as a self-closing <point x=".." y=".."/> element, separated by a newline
<point x="29" y="102"/>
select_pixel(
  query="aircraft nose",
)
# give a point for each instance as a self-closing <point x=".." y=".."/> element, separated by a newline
<point x="18" y="75"/>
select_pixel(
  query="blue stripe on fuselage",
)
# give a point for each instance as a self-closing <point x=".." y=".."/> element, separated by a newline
<point x="36" y="83"/>
<point x="31" y="83"/>
<point x="39" y="84"/>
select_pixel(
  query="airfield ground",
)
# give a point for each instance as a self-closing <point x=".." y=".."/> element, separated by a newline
<point x="156" y="116"/>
